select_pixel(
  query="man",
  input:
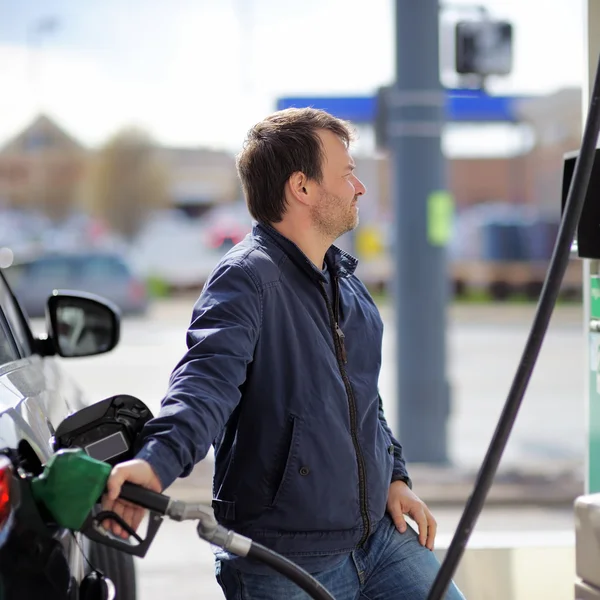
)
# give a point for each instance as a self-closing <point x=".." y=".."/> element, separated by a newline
<point x="281" y="374"/>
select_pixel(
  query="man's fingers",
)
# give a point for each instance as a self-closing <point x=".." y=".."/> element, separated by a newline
<point x="137" y="518"/>
<point x="119" y="509"/>
<point x="133" y="516"/>
<point x="130" y="513"/>
<point x="114" y="483"/>
<point x="107" y="505"/>
<point x="431" y="530"/>
<point x="116" y="528"/>
<point x="421" y="520"/>
<point x="399" y="520"/>
<point x="128" y="516"/>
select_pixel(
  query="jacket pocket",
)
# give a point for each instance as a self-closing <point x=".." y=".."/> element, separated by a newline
<point x="389" y="458"/>
<point x="289" y="457"/>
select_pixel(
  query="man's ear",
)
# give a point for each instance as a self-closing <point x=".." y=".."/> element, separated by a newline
<point x="299" y="187"/>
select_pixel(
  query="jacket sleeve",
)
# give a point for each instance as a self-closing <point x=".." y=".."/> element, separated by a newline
<point x="204" y="387"/>
<point x="400" y="472"/>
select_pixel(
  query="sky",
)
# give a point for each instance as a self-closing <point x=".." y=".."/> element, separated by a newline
<point x="202" y="72"/>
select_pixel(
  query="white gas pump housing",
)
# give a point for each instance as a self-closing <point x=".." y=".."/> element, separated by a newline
<point x="587" y="508"/>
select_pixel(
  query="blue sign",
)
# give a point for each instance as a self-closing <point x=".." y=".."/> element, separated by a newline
<point x="461" y="106"/>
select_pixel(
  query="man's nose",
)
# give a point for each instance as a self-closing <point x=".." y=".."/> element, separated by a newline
<point x="359" y="187"/>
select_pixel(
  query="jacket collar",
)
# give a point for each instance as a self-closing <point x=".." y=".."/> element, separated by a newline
<point x="340" y="263"/>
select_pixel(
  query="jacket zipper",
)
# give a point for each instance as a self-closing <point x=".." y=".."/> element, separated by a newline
<point x="340" y="352"/>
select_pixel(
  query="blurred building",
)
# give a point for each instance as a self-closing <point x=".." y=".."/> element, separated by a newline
<point x="43" y="167"/>
<point x="530" y="172"/>
<point x="557" y="123"/>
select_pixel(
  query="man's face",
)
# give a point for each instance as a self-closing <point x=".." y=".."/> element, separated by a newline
<point x="336" y="211"/>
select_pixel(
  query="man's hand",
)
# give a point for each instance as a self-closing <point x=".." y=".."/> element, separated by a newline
<point x="402" y="501"/>
<point x="136" y="471"/>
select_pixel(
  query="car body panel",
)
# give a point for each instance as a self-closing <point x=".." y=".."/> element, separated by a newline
<point x="36" y="391"/>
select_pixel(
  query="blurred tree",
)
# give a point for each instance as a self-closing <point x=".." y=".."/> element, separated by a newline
<point x="59" y="201"/>
<point x="61" y="188"/>
<point x="127" y="181"/>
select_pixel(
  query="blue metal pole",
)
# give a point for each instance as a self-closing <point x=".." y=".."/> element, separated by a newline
<point x="415" y="109"/>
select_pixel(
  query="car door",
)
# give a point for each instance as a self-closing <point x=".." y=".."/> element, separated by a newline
<point x="10" y="430"/>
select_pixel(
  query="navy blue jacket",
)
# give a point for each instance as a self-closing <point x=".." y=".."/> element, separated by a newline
<point x="282" y="377"/>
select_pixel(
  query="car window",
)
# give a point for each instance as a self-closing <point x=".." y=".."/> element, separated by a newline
<point x="14" y="324"/>
<point x="97" y="267"/>
<point x="8" y="347"/>
<point x="52" y="268"/>
<point x="8" y="350"/>
<point x="13" y="274"/>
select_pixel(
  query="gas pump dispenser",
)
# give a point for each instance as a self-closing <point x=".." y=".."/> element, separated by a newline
<point x="587" y="247"/>
<point x="587" y="508"/>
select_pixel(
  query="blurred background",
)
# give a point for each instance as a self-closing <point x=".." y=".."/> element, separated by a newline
<point x="119" y="126"/>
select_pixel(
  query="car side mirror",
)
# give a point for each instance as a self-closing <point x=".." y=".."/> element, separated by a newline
<point x="82" y="324"/>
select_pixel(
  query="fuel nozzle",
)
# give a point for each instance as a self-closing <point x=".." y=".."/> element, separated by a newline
<point x="70" y="485"/>
<point x="70" y="488"/>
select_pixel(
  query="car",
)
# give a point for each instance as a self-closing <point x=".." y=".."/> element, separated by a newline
<point x="171" y="249"/>
<point x="226" y="225"/>
<point x="98" y="272"/>
<point x="39" y="559"/>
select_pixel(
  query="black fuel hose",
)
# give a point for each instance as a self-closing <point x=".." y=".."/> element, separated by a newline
<point x="288" y="569"/>
<point x="547" y="301"/>
<point x="160" y="504"/>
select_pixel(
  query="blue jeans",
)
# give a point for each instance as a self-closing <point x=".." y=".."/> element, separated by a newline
<point x="391" y="566"/>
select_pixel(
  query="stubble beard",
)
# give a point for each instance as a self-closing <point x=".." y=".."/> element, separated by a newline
<point x="333" y="218"/>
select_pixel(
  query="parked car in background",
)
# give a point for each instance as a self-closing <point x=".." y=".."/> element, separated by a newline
<point x="226" y="225"/>
<point x="171" y="249"/>
<point x="98" y="272"/>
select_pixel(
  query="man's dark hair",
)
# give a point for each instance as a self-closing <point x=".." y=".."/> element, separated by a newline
<point x="282" y="144"/>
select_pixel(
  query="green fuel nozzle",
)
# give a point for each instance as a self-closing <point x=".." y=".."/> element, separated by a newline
<point x="70" y="486"/>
